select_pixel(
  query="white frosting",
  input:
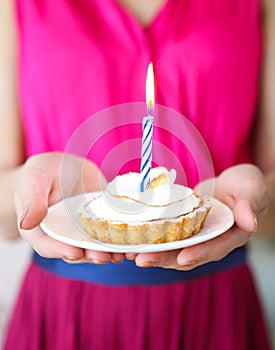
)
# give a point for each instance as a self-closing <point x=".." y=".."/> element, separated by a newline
<point x="128" y="185"/>
<point x="123" y="202"/>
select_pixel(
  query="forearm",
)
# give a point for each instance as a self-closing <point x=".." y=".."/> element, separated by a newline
<point x="8" y="221"/>
<point x="267" y="225"/>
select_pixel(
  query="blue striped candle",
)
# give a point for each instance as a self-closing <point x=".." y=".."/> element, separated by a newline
<point x="147" y="130"/>
<point x="146" y="152"/>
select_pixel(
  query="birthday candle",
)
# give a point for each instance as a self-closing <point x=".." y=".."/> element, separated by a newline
<point x="147" y="131"/>
<point x="146" y="153"/>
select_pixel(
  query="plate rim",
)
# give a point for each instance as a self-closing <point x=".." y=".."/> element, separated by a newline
<point x="93" y="244"/>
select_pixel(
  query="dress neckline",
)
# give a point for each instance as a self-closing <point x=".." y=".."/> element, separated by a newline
<point x="159" y="14"/>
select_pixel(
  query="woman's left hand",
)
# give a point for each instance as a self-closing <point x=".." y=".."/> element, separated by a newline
<point x="243" y="189"/>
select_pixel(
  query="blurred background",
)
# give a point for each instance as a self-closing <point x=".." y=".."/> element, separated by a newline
<point x="15" y="255"/>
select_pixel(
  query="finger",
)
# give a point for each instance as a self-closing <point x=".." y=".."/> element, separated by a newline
<point x="31" y="197"/>
<point x="117" y="257"/>
<point x="131" y="256"/>
<point x="166" y="259"/>
<point x="245" y="216"/>
<point x="97" y="257"/>
<point x="75" y="261"/>
<point x="50" y="248"/>
<point x="212" y="250"/>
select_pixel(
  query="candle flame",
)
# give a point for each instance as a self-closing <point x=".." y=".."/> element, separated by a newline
<point x="150" y="88"/>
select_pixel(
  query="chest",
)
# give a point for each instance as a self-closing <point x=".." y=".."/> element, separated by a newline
<point x="206" y="55"/>
<point x="143" y="10"/>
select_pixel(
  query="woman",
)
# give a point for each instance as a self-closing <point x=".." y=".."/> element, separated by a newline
<point x="208" y="60"/>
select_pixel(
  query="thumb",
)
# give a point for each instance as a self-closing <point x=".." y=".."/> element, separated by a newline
<point x="244" y="215"/>
<point x="31" y="197"/>
<point x="243" y="189"/>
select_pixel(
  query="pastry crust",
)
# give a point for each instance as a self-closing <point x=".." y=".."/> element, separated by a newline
<point x="150" y="232"/>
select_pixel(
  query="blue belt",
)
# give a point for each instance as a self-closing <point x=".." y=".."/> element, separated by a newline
<point x="127" y="273"/>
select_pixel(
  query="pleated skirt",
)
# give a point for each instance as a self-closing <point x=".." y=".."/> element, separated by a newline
<point x="218" y="312"/>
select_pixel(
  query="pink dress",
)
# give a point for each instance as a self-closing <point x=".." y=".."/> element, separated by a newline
<point x="77" y="58"/>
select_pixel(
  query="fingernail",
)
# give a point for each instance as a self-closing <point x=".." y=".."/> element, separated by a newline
<point x="117" y="261"/>
<point x="71" y="258"/>
<point x="255" y="222"/>
<point x="98" y="262"/>
<point x="21" y="222"/>
<point x="147" y="264"/>
<point x="187" y="263"/>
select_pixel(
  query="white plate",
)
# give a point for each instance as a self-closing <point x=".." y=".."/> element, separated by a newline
<point x="63" y="224"/>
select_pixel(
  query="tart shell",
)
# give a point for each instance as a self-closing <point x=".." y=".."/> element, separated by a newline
<point x="151" y="232"/>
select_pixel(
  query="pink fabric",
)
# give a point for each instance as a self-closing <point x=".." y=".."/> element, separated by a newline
<point x="217" y="312"/>
<point x="79" y="57"/>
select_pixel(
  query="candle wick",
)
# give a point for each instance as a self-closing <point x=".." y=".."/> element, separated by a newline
<point x="150" y="109"/>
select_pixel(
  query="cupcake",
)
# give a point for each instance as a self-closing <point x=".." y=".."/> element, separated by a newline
<point x="164" y="212"/>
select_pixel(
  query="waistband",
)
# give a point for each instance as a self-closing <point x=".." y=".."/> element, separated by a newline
<point x="127" y="273"/>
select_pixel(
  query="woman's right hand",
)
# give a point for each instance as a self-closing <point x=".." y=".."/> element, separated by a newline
<point x="44" y="180"/>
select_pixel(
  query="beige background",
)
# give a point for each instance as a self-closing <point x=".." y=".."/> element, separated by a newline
<point x="14" y="257"/>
